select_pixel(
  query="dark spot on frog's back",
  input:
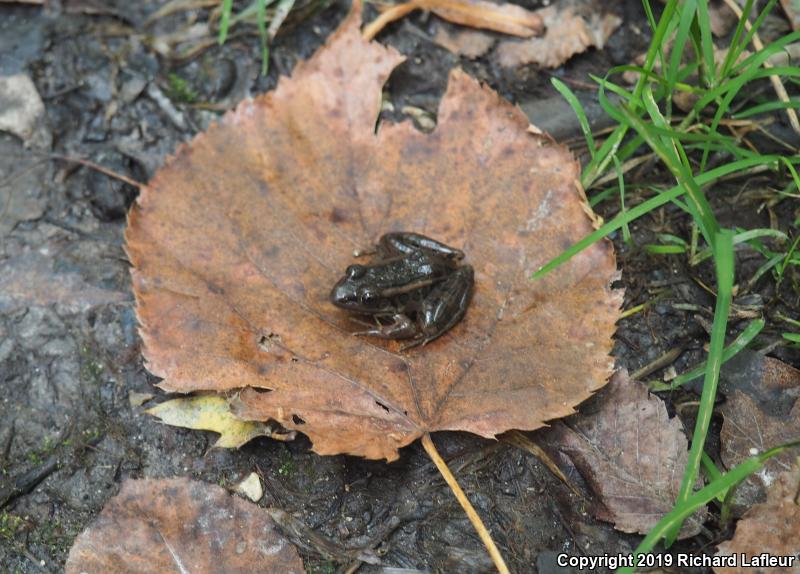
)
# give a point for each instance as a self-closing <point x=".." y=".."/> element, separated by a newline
<point x="338" y="215"/>
<point x="507" y="152"/>
<point x="273" y="251"/>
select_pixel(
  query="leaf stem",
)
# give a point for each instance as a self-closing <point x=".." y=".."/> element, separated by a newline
<point x="477" y="523"/>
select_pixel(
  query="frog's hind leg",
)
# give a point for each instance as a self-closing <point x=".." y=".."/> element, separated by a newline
<point x="445" y="305"/>
<point x="401" y="327"/>
<point x="405" y="243"/>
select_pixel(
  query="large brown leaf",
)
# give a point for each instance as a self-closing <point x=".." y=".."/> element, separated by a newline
<point x="237" y="242"/>
<point x="178" y="525"/>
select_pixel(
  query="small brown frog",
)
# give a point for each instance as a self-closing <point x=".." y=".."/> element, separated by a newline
<point x="414" y="287"/>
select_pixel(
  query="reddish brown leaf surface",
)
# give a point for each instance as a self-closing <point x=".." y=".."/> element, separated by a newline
<point x="772" y="528"/>
<point x="237" y="242"/>
<point x="181" y="525"/>
<point x="761" y="411"/>
<point x="629" y="452"/>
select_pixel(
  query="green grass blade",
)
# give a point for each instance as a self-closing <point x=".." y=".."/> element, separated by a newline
<point x="752" y="31"/>
<point x="787" y="260"/>
<point x="262" y="35"/>
<point x="626" y="232"/>
<point x="655" y="249"/>
<point x="706" y="42"/>
<point x="724" y="263"/>
<point x="713" y="473"/>
<point x="685" y="19"/>
<point x="736" y="45"/>
<point x="793" y="103"/>
<point x="741" y="237"/>
<point x="224" y="21"/>
<point x="577" y="107"/>
<point x="753" y="328"/>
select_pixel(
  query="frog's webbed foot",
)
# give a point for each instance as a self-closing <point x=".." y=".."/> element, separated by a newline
<point x="401" y="327"/>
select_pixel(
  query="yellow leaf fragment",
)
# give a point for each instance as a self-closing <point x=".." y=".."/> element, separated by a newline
<point x="210" y="412"/>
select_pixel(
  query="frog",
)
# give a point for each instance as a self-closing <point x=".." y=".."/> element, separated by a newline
<point x="414" y="287"/>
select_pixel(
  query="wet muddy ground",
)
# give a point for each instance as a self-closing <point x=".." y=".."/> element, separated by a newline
<point x="71" y="424"/>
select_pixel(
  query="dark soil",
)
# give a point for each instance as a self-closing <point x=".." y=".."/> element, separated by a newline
<point x="70" y="362"/>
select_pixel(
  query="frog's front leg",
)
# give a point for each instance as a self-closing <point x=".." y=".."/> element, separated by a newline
<point x="404" y="243"/>
<point x="401" y="327"/>
<point x="445" y="305"/>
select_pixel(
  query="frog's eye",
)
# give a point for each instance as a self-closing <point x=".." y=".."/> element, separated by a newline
<point x="367" y="297"/>
<point x="355" y="271"/>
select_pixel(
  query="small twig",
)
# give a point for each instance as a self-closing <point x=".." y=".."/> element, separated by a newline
<point x="477" y="15"/>
<point x="659" y="363"/>
<point x="523" y="442"/>
<point x="27" y="481"/>
<point x="388" y="16"/>
<point x="312" y="541"/>
<point x="98" y="168"/>
<point x="777" y="84"/>
<point x="477" y="523"/>
<point x="36" y="562"/>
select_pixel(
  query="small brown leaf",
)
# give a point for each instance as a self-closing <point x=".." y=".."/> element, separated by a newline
<point x="468" y="43"/>
<point x="771" y="529"/>
<point x="181" y="525"/>
<point x="761" y="412"/>
<point x="568" y="33"/>
<point x="237" y="242"/>
<point x="629" y="452"/>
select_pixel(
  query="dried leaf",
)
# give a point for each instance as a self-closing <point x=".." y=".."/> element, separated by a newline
<point x="761" y="411"/>
<point x="213" y="413"/>
<point x="568" y="33"/>
<point x="629" y="452"/>
<point x="468" y="43"/>
<point x="237" y="242"/>
<point x="181" y="525"/>
<point x="768" y="531"/>
<point x="504" y="18"/>
<point x="792" y="9"/>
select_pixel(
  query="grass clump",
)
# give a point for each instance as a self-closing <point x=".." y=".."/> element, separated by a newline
<point x="698" y="151"/>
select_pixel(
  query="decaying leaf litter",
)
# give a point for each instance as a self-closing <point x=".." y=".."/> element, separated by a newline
<point x="576" y="521"/>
